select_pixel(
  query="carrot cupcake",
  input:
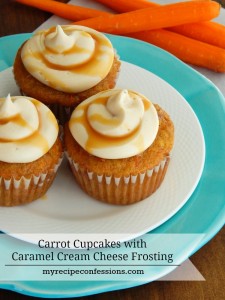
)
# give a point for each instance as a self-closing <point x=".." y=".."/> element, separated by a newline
<point x="64" y="65"/>
<point x="30" y="150"/>
<point x="118" y="144"/>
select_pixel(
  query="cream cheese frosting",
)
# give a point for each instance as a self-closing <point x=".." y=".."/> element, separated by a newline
<point x="28" y="129"/>
<point x="68" y="58"/>
<point x="115" y="124"/>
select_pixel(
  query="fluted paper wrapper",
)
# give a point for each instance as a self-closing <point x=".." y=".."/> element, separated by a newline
<point x="24" y="190"/>
<point x="120" y="190"/>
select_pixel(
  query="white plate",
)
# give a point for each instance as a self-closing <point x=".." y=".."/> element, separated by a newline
<point x="67" y="209"/>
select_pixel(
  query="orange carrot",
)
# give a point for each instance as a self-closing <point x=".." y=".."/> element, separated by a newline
<point x="126" y="5"/>
<point x="188" y="50"/>
<point x="129" y="5"/>
<point x="67" y="11"/>
<point x="208" y="32"/>
<point x="154" y="17"/>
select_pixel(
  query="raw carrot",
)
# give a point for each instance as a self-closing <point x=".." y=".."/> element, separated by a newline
<point x="67" y="11"/>
<point x="188" y="50"/>
<point x="155" y="17"/>
<point x="126" y="5"/>
<point x="208" y="32"/>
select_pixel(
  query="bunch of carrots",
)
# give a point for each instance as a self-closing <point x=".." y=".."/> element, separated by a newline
<point x="184" y="29"/>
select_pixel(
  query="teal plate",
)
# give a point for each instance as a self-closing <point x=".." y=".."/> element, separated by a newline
<point x="205" y="210"/>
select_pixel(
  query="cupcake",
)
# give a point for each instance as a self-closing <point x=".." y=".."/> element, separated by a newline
<point x="30" y="150"/>
<point x="118" y="144"/>
<point x="64" y="65"/>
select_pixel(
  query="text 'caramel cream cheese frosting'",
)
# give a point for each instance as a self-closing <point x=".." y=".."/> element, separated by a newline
<point x="28" y="129"/>
<point x="115" y="124"/>
<point x="68" y="58"/>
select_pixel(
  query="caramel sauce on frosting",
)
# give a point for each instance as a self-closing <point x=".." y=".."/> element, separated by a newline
<point x="28" y="129"/>
<point x="68" y="58"/>
<point x="115" y="124"/>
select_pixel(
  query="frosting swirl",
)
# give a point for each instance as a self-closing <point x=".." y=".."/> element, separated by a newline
<point x="115" y="124"/>
<point x="70" y="58"/>
<point x="28" y="129"/>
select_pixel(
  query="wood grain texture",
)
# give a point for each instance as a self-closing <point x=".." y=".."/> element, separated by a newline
<point x="209" y="260"/>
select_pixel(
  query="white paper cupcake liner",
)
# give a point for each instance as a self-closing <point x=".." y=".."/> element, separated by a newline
<point x="24" y="190"/>
<point x="120" y="190"/>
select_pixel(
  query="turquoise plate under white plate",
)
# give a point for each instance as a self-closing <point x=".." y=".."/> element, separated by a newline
<point x="205" y="210"/>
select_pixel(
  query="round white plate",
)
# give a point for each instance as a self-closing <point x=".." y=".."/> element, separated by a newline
<point x="67" y="209"/>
